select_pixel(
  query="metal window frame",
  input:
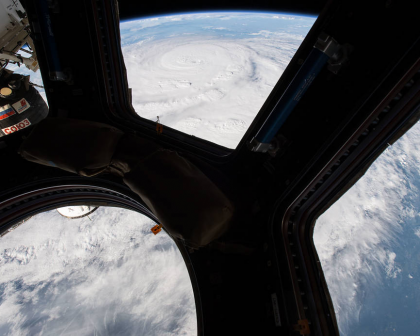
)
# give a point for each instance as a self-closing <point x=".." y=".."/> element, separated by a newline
<point x="34" y="198"/>
<point x="392" y="117"/>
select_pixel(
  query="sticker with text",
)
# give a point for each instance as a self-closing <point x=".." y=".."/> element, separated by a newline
<point x="21" y="106"/>
<point x="12" y="129"/>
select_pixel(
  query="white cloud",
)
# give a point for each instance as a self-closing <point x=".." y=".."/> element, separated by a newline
<point x="228" y="81"/>
<point x="417" y="232"/>
<point x="200" y="55"/>
<point x="353" y="237"/>
<point x="107" y="276"/>
<point x="391" y="269"/>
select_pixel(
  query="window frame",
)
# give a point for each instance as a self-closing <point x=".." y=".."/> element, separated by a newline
<point x="121" y="113"/>
<point x="33" y="198"/>
<point x="293" y="225"/>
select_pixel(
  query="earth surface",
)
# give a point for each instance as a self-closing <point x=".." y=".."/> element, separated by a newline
<point x="369" y="245"/>
<point x="208" y="75"/>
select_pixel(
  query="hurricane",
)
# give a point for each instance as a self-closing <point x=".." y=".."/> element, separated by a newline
<point x="210" y="74"/>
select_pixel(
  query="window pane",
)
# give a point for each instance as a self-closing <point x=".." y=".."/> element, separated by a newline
<point x="369" y="245"/>
<point x="34" y="77"/>
<point x="22" y="96"/>
<point x="104" y="274"/>
<point x="208" y="74"/>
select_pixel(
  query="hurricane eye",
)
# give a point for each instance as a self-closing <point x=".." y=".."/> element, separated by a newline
<point x="208" y="74"/>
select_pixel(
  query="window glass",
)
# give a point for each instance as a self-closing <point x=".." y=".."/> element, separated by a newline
<point x="22" y="96"/>
<point x="34" y="77"/>
<point x="102" y="274"/>
<point x="369" y="245"/>
<point x="208" y="74"/>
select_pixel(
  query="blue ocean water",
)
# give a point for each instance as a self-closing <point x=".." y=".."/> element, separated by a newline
<point x="369" y="245"/>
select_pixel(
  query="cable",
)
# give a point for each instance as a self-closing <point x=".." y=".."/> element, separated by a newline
<point x="33" y="84"/>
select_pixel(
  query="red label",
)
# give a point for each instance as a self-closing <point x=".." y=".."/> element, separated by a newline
<point x="11" y="129"/>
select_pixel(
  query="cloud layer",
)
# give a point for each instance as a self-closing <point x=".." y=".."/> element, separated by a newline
<point x="210" y="79"/>
<point x="107" y="275"/>
<point x="368" y="237"/>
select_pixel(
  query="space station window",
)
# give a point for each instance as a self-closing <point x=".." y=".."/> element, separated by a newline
<point x="368" y="243"/>
<point x="208" y="74"/>
<point x="22" y="96"/>
<point x="22" y="99"/>
<point x="93" y="271"/>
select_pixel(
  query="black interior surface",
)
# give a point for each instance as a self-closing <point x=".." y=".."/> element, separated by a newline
<point x="262" y="277"/>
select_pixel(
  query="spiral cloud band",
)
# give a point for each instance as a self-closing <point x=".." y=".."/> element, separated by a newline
<point x="211" y="81"/>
